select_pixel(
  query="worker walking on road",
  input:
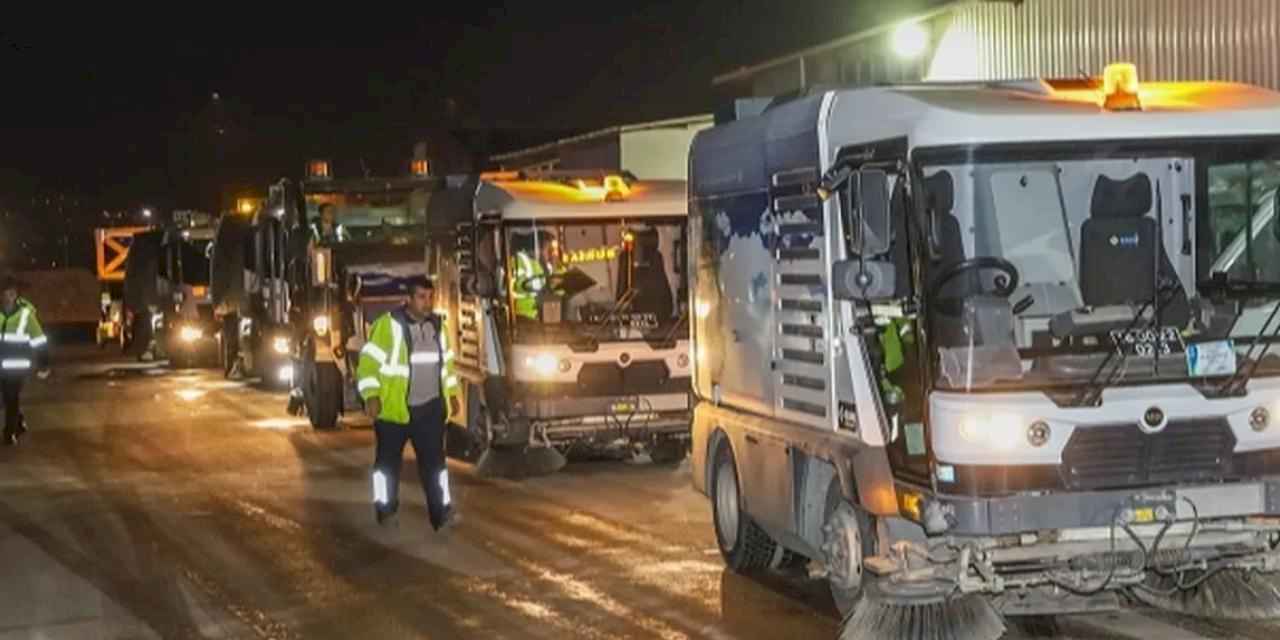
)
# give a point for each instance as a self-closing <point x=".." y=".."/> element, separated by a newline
<point x="405" y="377"/>
<point x="23" y="346"/>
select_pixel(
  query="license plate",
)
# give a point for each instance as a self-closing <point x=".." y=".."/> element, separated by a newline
<point x="1147" y="343"/>
<point x="622" y="407"/>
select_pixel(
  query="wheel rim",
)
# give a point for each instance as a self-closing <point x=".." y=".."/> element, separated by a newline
<point x="727" y="504"/>
<point x="842" y="544"/>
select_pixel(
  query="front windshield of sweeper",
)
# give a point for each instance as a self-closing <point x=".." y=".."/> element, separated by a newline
<point x="597" y="280"/>
<point x="1085" y="271"/>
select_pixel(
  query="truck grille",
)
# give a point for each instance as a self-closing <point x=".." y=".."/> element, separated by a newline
<point x="607" y="378"/>
<point x="1122" y="455"/>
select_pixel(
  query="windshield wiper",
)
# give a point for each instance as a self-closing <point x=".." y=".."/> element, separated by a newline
<point x="1235" y="385"/>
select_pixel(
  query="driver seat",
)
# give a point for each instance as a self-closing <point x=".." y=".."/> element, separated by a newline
<point x="1120" y="238"/>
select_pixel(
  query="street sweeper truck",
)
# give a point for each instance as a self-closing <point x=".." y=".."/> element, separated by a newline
<point x="568" y="295"/>
<point x="996" y="349"/>
<point x="303" y="277"/>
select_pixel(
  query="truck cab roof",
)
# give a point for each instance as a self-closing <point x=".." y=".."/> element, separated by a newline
<point x="574" y="197"/>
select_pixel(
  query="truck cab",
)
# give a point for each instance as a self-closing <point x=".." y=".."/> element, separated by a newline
<point x="569" y="294"/>
<point x="992" y="339"/>
<point x="322" y="257"/>
<point x="167" y="291"/>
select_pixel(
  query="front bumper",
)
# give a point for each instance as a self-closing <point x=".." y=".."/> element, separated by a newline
<point x="613" y="416"/>
<point x="1016" y="514"/>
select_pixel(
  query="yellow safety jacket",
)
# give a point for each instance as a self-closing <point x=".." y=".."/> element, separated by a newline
<point x="22" y="340"/>
<point x="384" y="369"/>
<point x="526" y="298"/>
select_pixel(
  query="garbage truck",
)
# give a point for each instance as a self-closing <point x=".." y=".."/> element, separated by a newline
<point x="166" y="292"/>
<point x="994" y="349"/>
<point x="567" y="298"/>
<point x="301" y="279"/>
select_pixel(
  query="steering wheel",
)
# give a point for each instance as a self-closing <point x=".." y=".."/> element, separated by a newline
<point x="1006" y="283"/>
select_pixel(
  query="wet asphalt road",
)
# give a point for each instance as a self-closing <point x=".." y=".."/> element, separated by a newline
<point x="151" y="503"/>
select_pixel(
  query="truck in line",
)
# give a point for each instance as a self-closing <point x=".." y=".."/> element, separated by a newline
<point x="1005" y="347"/>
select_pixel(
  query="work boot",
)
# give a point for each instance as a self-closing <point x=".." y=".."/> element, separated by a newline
<point x="389" y="519"/>
<point x="295" y="405"/>
<point x="451" y="520"/>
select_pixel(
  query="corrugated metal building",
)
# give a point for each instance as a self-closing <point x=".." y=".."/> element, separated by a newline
<point x="651" y="151"/>
<point x="1004" y="39"/>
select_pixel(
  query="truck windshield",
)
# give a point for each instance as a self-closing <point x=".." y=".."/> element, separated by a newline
<point x="360" y="216"/>
<point x="597" y="280"/>
<point x="1136" y="267"/>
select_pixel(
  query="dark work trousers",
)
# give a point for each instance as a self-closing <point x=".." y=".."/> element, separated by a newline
<point x="11" y="386"/>
<point x="426" y="431"/>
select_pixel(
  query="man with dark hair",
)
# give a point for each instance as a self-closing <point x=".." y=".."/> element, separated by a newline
<point x="405" y="378"/>
<point x="22" y="344"/>
<point x="327" y="228"/>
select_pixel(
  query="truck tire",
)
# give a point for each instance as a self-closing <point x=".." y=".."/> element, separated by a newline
<point x="743" y="544"/>
<point x="324" y="396"/>
<point x="847" y="539"/>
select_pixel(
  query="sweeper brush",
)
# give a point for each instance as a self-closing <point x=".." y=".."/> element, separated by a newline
<point x="519" y="462"/>
<point x="1232" y="594"/>
<point x="960" y="618"/>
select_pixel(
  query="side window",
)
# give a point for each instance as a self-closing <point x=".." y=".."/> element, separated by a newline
<point x="1240" y="198"/>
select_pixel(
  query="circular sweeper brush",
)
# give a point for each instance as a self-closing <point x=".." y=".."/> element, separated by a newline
<point x="968" y="617"/>
<point x="1232" y="594"/>
<point x="519" y="462"/>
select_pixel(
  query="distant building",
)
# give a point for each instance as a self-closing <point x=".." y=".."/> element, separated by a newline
<point x="652" y="150"/>
<point x="1175" y="40"/>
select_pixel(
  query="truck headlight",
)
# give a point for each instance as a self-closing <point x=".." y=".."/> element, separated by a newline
<point x="285" y="373"/>
<point x="1000" y="431"/>
<point x="191" y="334"/>
<point x="544" y="364"/>
<point x="281" y="345"/>
<point x="321" y="325"/>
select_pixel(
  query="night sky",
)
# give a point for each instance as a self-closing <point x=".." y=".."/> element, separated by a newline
<point x="119" y="110"/>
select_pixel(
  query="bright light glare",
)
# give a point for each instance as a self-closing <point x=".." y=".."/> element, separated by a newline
<point x="191" y="395"/>
<point x="543" y="364"/>
<point x="285" y="374"/>
<point x="703" y="309"/>
<point x="1000" y="431"/>
<point x="910" y="40"/>
<point x="321" y="325"/>
<point x="191" y="334"/>
<point x="281" y="345"/>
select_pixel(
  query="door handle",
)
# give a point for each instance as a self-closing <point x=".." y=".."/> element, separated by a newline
<point x="753" y="440"/>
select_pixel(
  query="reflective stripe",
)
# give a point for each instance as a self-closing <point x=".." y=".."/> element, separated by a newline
<point x="379" y="488"/>
<point x="448" y="355"/>
<point x="451" y="382"/>
<point x="16" y="363"/>
<point x="39" y="342"/>
<point x="424" y="357"/>
<point x="368" y="383"/>
<point x="373" y="350"/>
<point x="397" y="343"/>
<point x="15" y="338"/>
<point x="444" y="486"/>
<point x="395" y="371"/>
<point x="22" y="321"/>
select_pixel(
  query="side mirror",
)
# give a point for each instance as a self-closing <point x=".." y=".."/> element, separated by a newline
<point x="868" y="199"/>
<point x="482" y="285"/>
<point x="863" y="279"/>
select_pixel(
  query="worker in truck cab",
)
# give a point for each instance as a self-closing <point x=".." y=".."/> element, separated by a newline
<point x="23" y="346"/>
<point x="327" y="229"/>
<point x="533" y="261"/>
<point x="405" y="376"/>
